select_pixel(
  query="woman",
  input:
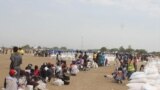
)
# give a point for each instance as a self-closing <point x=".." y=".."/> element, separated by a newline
<point x="130" y="68"/>
<point x="36" y="71"/>
<point x="74" y="69"/>
<point x="135" y="63"/>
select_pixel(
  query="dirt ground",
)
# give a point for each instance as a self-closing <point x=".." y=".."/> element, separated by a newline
<point x="85" y="80"/>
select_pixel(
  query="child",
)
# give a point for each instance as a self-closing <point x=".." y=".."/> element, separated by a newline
<point x="36" y="71"/>
<point x="29" y="69"/>
<point x="124" y="69"/>
<point x="114" y="73"/>
<point x="22" y="80"/>
<point x="119" y="75"/>
<point x="11" y="82"/>
<point x="142" y="68"/>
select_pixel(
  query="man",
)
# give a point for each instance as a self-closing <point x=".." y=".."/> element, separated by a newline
<point x="77" y="55"/>
<point x="10" y="82"/>
<point x="58" y="57"/>
<point x="16" y="61"/>
<point x="85" y="57"/>
<point x="95" y="56"/>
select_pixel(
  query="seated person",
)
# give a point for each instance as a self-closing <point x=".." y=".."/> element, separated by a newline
<point x="74" y="69"/>
<point x="22" y="80"/>
<point x="10" y="82"/>
<point x="66" y="77"/>
<point x="142" y="68"/>
<point x="36" y="71"/>
<point x="118" y="75"/>
<point x="58" y="70"/>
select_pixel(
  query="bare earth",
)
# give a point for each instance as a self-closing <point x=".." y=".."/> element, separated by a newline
<point x="85" y="80"/>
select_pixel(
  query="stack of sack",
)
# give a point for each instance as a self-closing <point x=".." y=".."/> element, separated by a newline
<point x="92" y="64"/>
<point x="41" y="85"/>
<point x="58" y="82"/>
<point x="147" y="80"/>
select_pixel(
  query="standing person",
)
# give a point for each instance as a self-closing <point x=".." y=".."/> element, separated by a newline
<point x="117" y="61"/>
<point x="98" y="58"/>
<point x="85" y="57"/>
<point x="21" y="51"/>
<point x="77" y="55"/>
<point x="16" y="61"/>
<point x="10" y="82"/>
<point x="105" y="60"/>
<point x="81" y="55"/>
<point x="130" y="68"/>
<point x="101" y="59"/>
<point x="95" y="56"/>
<point x="135" y="63"/>
<point x="58" y="57"/>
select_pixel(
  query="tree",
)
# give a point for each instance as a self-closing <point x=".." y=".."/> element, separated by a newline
<point x="129" y="49"/>
<point x="63" y="48"/>
<point x="156" y="53"/>
<point x="55" y="48"/>
<point x="141" y="51"/>
<point x="103" y="49"/>
<point x="39" y="47"/>
<point x="113" y="50"/>
<point x="121" y="49"/>
<point x="26" y="47"/>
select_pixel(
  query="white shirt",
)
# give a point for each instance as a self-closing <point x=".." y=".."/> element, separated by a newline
<point x="11" y="83"/>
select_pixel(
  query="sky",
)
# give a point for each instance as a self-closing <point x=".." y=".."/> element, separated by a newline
<point x="81" y="24"/>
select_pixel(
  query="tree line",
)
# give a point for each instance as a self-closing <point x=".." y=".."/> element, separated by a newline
<point x="129" y="49"/>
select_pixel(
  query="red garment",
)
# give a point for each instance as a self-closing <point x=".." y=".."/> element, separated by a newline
<point x="36" y="72"/>
<point x="12" y="72"/>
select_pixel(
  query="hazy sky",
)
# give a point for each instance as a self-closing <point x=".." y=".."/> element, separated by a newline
<point x="81" y="23"/>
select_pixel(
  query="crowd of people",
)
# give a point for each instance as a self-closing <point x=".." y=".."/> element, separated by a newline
<point x="4" y="50"/>
<point x="37" y="77"/>
<point x="125" y="66"/>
